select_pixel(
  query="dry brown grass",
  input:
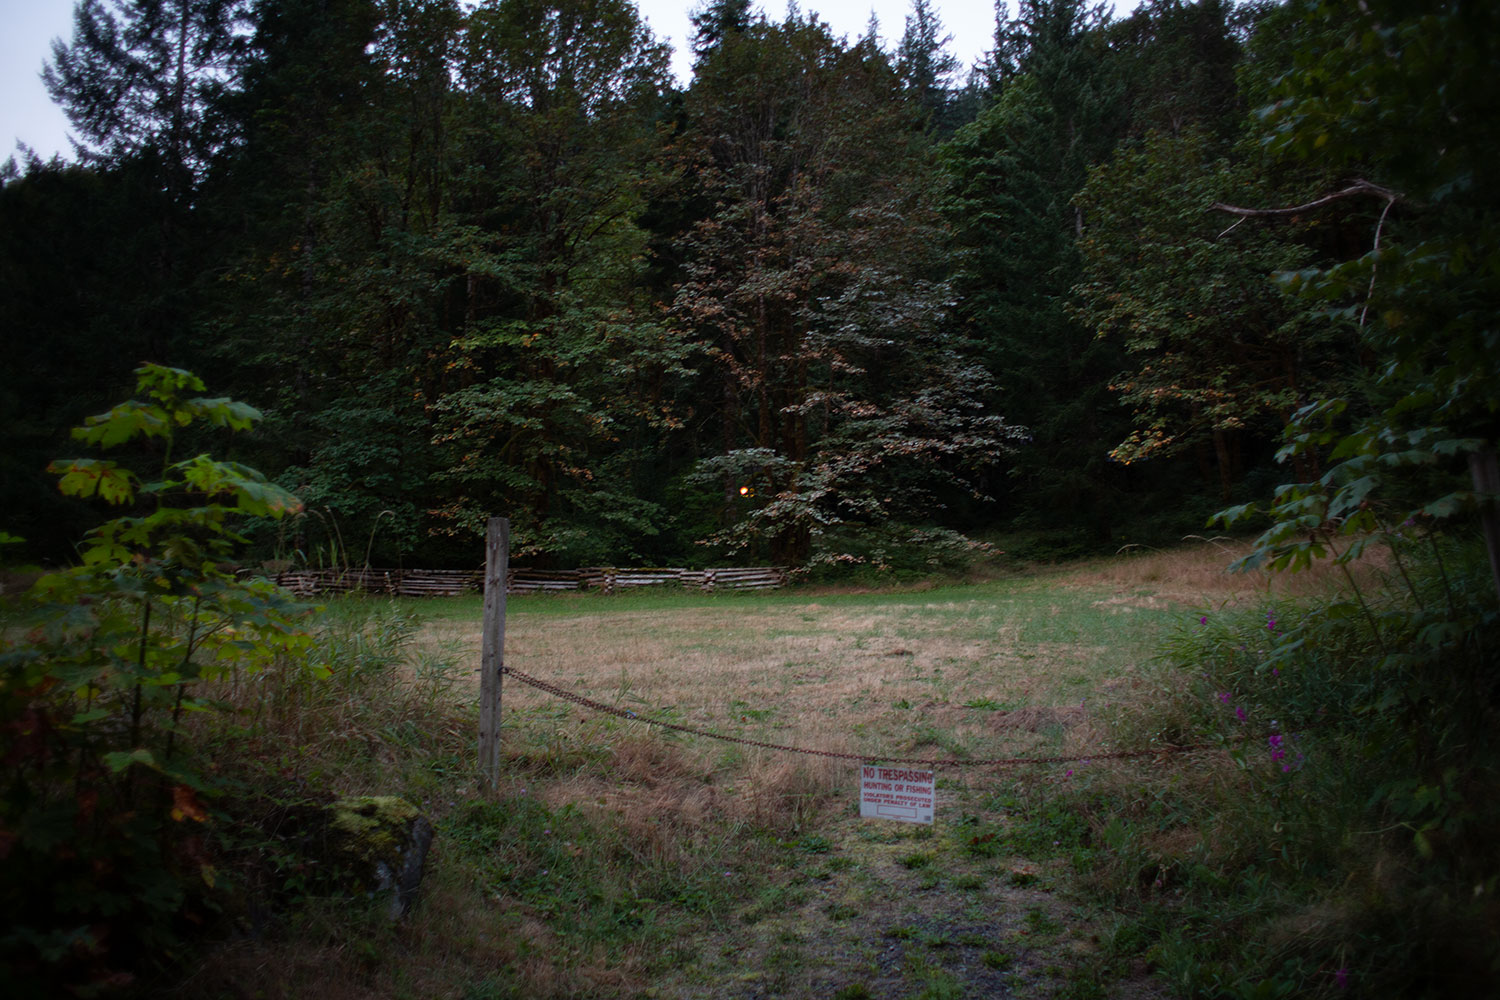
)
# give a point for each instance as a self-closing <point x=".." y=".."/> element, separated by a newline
<point x="861" y="682"/>
<point x="1198" y="573"/>
<point x="1004" y="669"/>
<point x="933" y="675"/>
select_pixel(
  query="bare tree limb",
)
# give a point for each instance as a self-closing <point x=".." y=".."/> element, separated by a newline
<point x="1357" y="188"/>
<point x="1375" y="263"/>
<point x="1226" y="232"/>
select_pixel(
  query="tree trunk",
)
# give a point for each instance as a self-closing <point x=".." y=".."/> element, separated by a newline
<point x="1485" y="468"/>
<point x="1226" y="464"/>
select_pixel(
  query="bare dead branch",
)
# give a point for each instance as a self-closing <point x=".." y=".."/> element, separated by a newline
<point x="1374" y="263"/>
<point x="1226" y="232"/>
<point x="1359" y="187"/>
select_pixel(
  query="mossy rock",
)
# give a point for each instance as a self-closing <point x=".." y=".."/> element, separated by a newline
<point x="383" y="839"/>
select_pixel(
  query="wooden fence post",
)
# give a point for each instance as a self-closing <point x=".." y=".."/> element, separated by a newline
<point x="492" y="653"/>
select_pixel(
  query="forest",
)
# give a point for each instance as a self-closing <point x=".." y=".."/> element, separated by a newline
<point x="830" y="306"/>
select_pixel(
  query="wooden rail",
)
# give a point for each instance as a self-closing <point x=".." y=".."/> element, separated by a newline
<point x="452" y="582"/>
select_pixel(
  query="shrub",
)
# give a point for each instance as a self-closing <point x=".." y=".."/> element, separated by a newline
<point x="104" y="808"/>
<point x="1350" y="845"/>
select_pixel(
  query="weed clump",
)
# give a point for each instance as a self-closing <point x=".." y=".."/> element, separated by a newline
<point x="1339" y="839"/>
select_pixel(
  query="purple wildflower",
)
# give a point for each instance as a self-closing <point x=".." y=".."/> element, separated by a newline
<point x="1224" y="697"/>
<point x="1239" y="713"/>
<point x="1341" y="978"/>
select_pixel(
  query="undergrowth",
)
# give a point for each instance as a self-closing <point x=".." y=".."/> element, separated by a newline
<point x="1340" y="842"/>
<point x="177" y="741"/>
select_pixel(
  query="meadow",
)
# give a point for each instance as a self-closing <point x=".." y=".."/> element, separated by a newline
<point x="620" y="859"/>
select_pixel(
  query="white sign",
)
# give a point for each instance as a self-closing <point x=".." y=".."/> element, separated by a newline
<point x="896" y="793"/>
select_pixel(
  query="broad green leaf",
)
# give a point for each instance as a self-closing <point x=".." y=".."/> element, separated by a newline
<point x="225" y="412"/>
<point x="165" y="383"/>
<point x="119" y="760"/>
<point x="124" y="422"/>
<point x="87" y="477"/>
<point x="1350" y="496"/>
<point x="1448" y="506"/>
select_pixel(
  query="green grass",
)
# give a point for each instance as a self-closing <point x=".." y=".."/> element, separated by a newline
<point x="614" y="853"/>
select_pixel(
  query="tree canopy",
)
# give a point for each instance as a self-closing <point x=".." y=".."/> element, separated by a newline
<point x="828" y="303"/>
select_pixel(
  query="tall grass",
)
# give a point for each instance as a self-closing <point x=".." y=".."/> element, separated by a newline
<point x="615" y="859"/>
<point x="604" y="845"/>
<point x="1341" y="843"/>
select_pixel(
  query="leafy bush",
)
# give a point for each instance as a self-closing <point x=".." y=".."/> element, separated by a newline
<point x="105" y="806"/>
<point x="1349" y="847"/>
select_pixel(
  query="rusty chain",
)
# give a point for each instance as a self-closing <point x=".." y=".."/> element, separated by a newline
<point x="622" y="713"/>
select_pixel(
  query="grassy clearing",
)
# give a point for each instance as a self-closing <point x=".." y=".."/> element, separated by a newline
<point x="620" y="860"/>
<point x="978" y="671"/>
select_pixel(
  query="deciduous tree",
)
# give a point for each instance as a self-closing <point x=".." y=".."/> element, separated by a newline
<point x="816" y="287"/>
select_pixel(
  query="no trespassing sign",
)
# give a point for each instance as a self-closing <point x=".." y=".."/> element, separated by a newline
<point x="896" y="793"/>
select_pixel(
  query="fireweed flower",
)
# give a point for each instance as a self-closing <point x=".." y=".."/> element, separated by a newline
<point x="1239" y="713"/>
<point x="1224" y="697"/>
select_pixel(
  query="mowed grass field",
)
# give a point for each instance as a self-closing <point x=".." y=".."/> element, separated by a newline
<point x="966" y="672"/>
<point x="996" y="669"/>
<point x="620" y="859"/>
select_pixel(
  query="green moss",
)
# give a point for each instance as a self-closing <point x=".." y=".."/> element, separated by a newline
<point x="372" y="828"/>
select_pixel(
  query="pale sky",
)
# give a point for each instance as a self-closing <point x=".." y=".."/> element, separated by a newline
<point x="27" y="28"/>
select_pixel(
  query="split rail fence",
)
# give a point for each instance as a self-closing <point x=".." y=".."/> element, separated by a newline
<point x="452" y="582"/>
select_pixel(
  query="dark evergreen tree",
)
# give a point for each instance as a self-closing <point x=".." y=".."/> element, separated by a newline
<point x="717" y="20"/>
<point x="144" y="75"/>
<point x="924" y="63"/>
<point x="1177" y="63"/>
<point x="560" y="359"/>
<point x="139" y="81"/>
<point x="332" y="296"/>
<point x="1013" y="174"/>
<point x="1220" y="358"/>
<point x="82" y="301"/>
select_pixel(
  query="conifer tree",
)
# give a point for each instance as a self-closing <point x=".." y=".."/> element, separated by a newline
<point x="716" y="21"/>
<point x="559" y="355"/>
<point x="143" y="75"/>
<point x="1013" y="174"/>
<point x="923" y="62"/>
